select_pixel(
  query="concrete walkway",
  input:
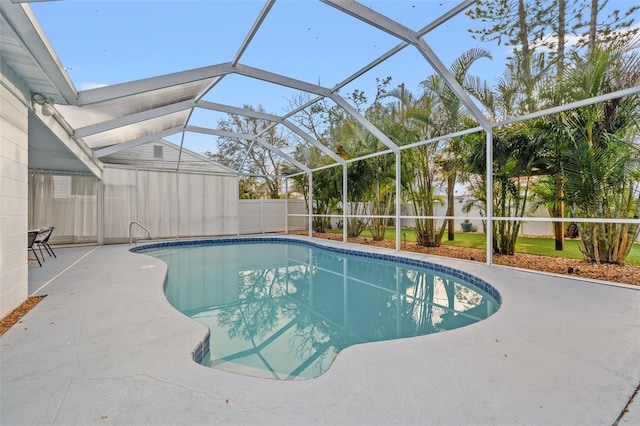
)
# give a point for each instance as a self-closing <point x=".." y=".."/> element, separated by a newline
<point x="105" y="347"/>
<point x="52" y="267"/>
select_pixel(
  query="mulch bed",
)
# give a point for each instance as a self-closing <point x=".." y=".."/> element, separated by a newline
<point x="16" y="315"/>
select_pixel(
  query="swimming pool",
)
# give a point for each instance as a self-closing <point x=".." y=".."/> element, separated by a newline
<point x="284" y="308"/>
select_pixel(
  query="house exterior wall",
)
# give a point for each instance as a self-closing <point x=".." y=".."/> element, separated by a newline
<point x="13" y="191"/>
<point x="145" y="156"/>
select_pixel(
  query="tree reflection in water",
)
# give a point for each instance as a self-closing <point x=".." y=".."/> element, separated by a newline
<point x="286" y="310"/>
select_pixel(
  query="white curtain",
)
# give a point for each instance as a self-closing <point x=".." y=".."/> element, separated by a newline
<point x="66" y="202"/>
<point x="168" y="204"/>
<point x="119" y="203"/>
<point x="40" y="200"/>
<point x="221" y="205"/>
<point x="208" y="205"/>
<point x="192" y="206"/>
<point x="158" y="203"/>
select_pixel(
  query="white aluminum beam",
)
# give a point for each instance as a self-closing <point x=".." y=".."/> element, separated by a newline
<point x="116" y="91"/>
<point x="435" y="24"/>
<point x="306" y="137"/>
<point x="345" y="191"/>
<point x="489" y="196"/>
<point x="244" y="160"/>
<point x="295" y="129"/>
<point x="269" y="117"/>
<point x="180" y="154"/>
<point x="254" y="29"/>
<point x="372" y="155"/>
<point x="209" y="86"/>
<point x="310" y="206"/>
<point x="442" y="137"/>
<point x="280" y="80"/>
<point x="566" y="107"/>
<point x="135" y="142"/>
<point x="249" y="137"/>
<point x="374" y="18"/>
<point x="282" y="154"/>
<point x="398" y="198"/>
<point x="392" y="27"/>
<point x="216" y="132"/>
<point x="366" y="123"/>
<point x="453" y="84"/>
<point x="302" y="107"/>
<point x="238" y="111"/>
<point x="133" y="118"/>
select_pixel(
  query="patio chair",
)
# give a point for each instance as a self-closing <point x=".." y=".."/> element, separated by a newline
<point x="30" y="241"/>
<point x="42" y="240"/>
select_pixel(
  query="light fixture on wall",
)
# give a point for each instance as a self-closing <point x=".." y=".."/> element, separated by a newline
<point x="44" y="102"/>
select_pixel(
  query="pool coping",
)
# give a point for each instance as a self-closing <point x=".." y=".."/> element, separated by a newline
<point x="105" y="345"/>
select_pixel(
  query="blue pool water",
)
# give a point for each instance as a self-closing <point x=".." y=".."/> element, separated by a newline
<point x="284" y="309"/>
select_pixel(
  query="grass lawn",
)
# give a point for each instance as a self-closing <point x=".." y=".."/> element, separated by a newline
<point x="530" y="245"/>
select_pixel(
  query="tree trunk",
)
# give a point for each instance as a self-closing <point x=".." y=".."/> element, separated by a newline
<point x="562" y="9"/>
<point x="558" y="231"/>
<point x="523" y="33"/>
<point x="451" y="179"/>
<point x="558" y="227"/>
<point x="593" y="24"/>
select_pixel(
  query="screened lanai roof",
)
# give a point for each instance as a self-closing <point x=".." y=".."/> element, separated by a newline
<point x="229" y="55"/>
<point x="124" y="114"/>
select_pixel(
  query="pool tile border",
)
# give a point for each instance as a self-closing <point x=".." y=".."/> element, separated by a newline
<point x="202" y="349"/>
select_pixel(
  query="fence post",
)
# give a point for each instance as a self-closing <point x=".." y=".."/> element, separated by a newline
<point x="345" y="225"/>
<point x="310" y="206"/>
<point x="489" y="197"/>
<point x="286" y="206"/>
<point x="261" y="216"/>
<point x="398" y="200"/>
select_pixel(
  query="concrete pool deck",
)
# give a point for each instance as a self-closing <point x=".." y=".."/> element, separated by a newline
<point x="105" y="347"/>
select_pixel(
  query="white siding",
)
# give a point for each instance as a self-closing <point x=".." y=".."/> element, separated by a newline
<point x="144" y="156"/>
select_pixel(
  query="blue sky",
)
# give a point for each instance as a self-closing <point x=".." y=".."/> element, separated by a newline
<point x="108" y="42"/>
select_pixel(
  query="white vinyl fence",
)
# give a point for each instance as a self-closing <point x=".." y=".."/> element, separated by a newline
<point x="260" y="216"/>
<point x="526" y="228"/>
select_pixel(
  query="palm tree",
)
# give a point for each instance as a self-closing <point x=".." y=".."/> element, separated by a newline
<point x="516" y="159"/>
<point x="451" y="117"/>
<point x="519" y="153"/>
<point x="362" y="175"/>
<point x="419" y="167"/>
<point x="601" y="161"/>
<point x="327" y="188"/>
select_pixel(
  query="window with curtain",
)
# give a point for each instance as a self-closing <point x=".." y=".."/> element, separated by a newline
<point x="66" y="202"/>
